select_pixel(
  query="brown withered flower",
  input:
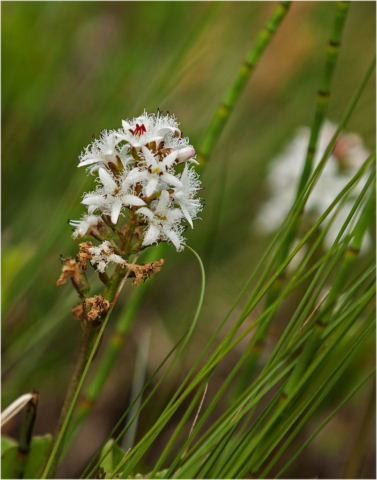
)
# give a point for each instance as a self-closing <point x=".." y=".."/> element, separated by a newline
<point x="70" y="269"/>
<point x="142" y="272"/>
<point x="84" y="255"/>
<point x="99" y="307"/>
<point x="79" y="312"/>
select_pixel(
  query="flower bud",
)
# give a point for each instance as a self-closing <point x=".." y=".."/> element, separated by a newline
<point x="185" y="154"/>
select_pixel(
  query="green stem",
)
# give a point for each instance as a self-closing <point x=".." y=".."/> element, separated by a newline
<point x="326" y="422"/>
<point x="319" y="117"/>
<point x="244" y="73"/>
<point x="81" y="378"/>
<point x="355" y="460"/>
<point x="326" y="311"/>
<point x="108" y="360"/>
<point x="89" y="341"/>
<point x="86" y="346"/>
<point x="324" y="91"/>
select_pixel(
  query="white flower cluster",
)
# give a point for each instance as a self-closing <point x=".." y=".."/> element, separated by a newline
<point x="285" y="172"/>
<point x="136" y="168"/>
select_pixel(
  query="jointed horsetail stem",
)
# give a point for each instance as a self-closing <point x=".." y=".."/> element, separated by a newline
<point x="320" y="113"/>
<point x="324" y="91"/>
<point x="231" y="96"/>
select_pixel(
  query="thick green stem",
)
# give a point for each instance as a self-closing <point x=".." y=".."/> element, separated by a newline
<point x="324" y="91"/>
<point x="233" y="93"/>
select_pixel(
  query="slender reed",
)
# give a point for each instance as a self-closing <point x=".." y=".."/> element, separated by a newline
<point x="324" y="314"/>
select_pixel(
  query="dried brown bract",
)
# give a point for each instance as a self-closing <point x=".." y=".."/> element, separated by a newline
<point x="79" y="312"/>
<point x="142" y="272"/>
<point x="70" y="269"/>
<point x="84" y="255"/>
<point x="99" y="306"/>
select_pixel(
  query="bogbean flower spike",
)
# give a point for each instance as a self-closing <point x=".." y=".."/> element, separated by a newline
<point x="143" y="196"/>
<point x="137" y="177"/>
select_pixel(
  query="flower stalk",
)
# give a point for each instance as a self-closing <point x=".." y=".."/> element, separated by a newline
<point x="136" y="175"/>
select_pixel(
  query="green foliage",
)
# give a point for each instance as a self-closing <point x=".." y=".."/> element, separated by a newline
<point x="36" y="458"/>
<point x="115" y="456"/>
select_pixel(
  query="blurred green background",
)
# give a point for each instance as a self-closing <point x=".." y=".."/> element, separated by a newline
<point x="71" y="69"/>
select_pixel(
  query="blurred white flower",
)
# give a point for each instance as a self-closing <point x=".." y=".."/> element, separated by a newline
<point x="285" y="173"/>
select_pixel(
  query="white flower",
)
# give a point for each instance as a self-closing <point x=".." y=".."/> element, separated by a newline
<point x="147" y="129"/>
<point x="163" y="222"/>
<point x="103" y="255"/>
<point x="82" y="226"/>
<point x="285" y="173"/>
<point x="155" y="171"/>
<point x="102" y="151"/>
<point x="118" y="148"/>
<point x="185" y="196"/>
<point x="115" y="193"/>
<point x="135" y="165"/>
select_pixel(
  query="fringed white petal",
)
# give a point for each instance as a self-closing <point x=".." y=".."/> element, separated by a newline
<point x="148" y="155"/>
<point x="136" y="175"/>
<point x="174" y="238"/>
<point x="107" y="180"/>
<point x="187" y="215"/>
<point x="151" y="186"/>
<point x="165" y="130"/>
<point x="171" y="179"/>
<point x="163" y="202"/>
<point x="151" y="236"/>
<point x="89" y="161"/>
<point x="93" y="200"/>
<point x="170" y="159"/>
<point x="146" y="212"/>
<point x="115" y="211"/>
<point x="133" y="200"/>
